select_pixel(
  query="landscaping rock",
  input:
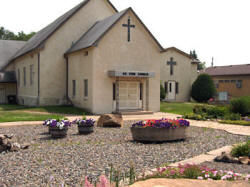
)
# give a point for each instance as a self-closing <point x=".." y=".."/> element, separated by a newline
<point x="226" y="157"/>
<point x="110" y="120"/>
<point x="244" y="160"/>
<point x="7" y="145"/>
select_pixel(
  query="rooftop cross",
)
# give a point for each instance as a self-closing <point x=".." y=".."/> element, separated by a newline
<point x="172" y="63"/>
<point x="128" y="26"/>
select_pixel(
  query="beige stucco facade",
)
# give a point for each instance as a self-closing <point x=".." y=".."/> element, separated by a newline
<point x="184" y="73"/>
<point x="140" y="54"/>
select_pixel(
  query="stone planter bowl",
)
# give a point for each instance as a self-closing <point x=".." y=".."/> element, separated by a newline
<point x="85" y="130"/>
<point x="55" y="132"/>
<point x="150" y="134"/>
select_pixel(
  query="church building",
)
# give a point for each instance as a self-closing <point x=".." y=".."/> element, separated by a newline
<point x="99" y="59"/>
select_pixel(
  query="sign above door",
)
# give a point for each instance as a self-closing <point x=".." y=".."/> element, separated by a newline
<point x="131" y="74"/>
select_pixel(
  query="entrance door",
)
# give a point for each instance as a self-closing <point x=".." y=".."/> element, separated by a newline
<point x="171" y="90"/>
<point x="128" y="95"/>
<point x="2" y="96"/>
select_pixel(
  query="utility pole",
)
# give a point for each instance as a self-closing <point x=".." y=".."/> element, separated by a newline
<point x="212" y="64"/>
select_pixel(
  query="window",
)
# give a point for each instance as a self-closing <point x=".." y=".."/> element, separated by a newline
<point x="233" y="81"/>
<point x="86" y="88"/>
<point x="239" y="84"/>
<point x="24" y="76"/>
<point x="74" y="88"/>
<point x="217" y="85"/>
<point x="170" y="87"/>
<point x="114" y="91"/>
<point x="166" y="87"/>
<point x="32" y="73"/>
<point x="227" y="81"/>
<point x="221" y="81"/>
<point x="18" y="77"/>
<point x="176" y="87"/>
<point x="141" y="91"/>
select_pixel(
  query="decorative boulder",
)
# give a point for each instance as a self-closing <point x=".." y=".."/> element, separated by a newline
<point x="110" y="120"/>
<point x="6" y="144"/>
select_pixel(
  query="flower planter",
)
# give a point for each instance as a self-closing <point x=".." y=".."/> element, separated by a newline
<point x="151" y="134"/>
<point x="56" y="132"/>
<point x="85" y="130"/>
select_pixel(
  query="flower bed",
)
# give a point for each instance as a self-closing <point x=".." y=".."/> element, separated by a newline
<point x="192" y="171"/>
<point x="85" y="125"/>
<point x="57" y="128"/>
<point x="160" y="130"/>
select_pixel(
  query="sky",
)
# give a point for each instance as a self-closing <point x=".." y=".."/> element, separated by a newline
<point x="214" y="28"/>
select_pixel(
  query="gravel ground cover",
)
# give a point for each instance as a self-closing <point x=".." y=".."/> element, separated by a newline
<point x="70" y="159"/>
<point x="237" y="168"/>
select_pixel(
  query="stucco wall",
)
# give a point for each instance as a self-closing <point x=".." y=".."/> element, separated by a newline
<point x="114" y="52"/>
<point x="184" y="73"/>
<point x="81" y="68"/>
<point x="53" y="64"/>
<point x="27" y="95"/>
<point x="230" y="86"/>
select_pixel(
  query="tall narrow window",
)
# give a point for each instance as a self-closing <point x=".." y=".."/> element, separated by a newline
<point x="176" y="87"/>
<point x="170" y="87"/>
<point x="166" y="87"/>
<point x="24" y="76"/>
<point x="18" y="77"/>
<point x="86" y="88"/>
<point x="31" y="74"/>
<point x="114" y="91"/>
<point x="74" y="87"/>
<point x="141" y="91"/>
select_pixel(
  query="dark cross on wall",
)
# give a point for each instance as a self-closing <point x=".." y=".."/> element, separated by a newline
<point x="128" y="26"/>
<point x="171" y="63"/>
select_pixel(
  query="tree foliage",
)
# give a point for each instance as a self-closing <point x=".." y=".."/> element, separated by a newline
<point x="201" y="66"/>
<point x="163" y="93"/>
<point x="203" y="88"/>
<point x="9" y="35"/>
<point x="194" y="55"/>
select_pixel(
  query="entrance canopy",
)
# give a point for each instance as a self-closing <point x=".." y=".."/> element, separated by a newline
<point x="7" y="77"/>
<point x="131" y="74"/>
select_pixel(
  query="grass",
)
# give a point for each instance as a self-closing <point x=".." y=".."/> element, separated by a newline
<point x="9" y="116"/>
<point x="49" y="109"/>
<point x="177" y="108"/>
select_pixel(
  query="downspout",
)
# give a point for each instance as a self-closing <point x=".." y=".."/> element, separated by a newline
<point x="38" y="82"/>
<point x="67" y="79"/>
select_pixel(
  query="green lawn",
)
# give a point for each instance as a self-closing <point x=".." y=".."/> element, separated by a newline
<point x="9" y="116"/>
<point x="177" y="108"/>
<point x="49" y="109"/>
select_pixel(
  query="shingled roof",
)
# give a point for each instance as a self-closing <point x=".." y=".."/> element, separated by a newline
<point x="38" y="39"/>
<point x="95" y="33"/>
<point x="7" y="49"/>
<point x="229" y="70"/>
<point x="100" y="28"/>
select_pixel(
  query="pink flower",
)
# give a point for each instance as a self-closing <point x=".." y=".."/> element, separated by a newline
<point x="87" y="183"/>
<point x="104" y="181"/>
<point x="172" y="172"/>
<point x="224" y="177"/>
<point x="182" y="170"/>
<point x="200" y="178"/>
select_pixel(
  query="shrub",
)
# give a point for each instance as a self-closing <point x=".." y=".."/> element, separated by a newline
<point x="203" y="88"/>
<point x="208" y="111"/>
<point x="239" y="106"/>
<point x="194" y="116"/>
<point x="163" y="93"/>
<point x="237" y="122"/>
<point x="232" y="116"/>
<point x="241" y="150"/>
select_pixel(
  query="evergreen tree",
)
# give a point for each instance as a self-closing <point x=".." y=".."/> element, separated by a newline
<point x="9" y="35"/>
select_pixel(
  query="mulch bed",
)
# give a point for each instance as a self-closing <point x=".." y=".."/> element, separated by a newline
<point x="68" y="160"/>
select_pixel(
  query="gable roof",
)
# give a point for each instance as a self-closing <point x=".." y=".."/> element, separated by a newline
<point x="100" y="28"/>
<point x="178" y="51"/>
<point x="7" y="49"/>
<point x="39" y="38"/>
<point x="229" y="70"/>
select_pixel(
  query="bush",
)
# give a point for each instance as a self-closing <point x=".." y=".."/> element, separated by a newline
<point x="194" y="117"/>
<point x="239" y="106"/>
<point x="237" y="122"/>
<point x="241" y="150"/>
<point x="209" y="111"/>
<point x="232" y="116"/>
<point x="163" y="93"/>
<point x="203" y="88"/>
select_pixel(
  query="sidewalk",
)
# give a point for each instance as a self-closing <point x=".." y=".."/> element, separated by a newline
<point x="234" y="129"/>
